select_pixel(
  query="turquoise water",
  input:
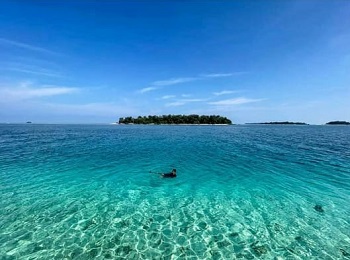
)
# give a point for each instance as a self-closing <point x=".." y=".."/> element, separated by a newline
<point x="242" y="192"/>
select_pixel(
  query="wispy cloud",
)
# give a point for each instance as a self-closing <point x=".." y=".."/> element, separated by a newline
<point x="175" y="104"/>
<point x="148" y="89"/>
<point x="161" y="83"/>
<point x="182" y="102"/>
<point x="173" y="81"/>
<point x="167" y="96"/>
<point x="193" y="100"/>
<point x="38" y="111"/>
<point x="234" y="101"/>
<point x="26" y="91"/>
<point x="217" y="75"/>
<point x="225" y="92"/>
<point x="26" y="46"/>
<point x="40" y="72"/>
<point x="101" y="109"/>
<point x="221" y="75"/>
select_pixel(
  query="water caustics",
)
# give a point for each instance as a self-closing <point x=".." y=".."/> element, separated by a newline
<point x="241" y="192"/>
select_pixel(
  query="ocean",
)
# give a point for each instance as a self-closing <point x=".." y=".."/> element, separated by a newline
<point x="241" y="192"/>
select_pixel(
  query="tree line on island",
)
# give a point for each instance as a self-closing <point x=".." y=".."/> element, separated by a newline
<point x="176" y="120"/>
<point x="338" y="123"/>
<point x="279" y="123"/>
<point x="201" y="120"/>
<point x="298" y="123"/>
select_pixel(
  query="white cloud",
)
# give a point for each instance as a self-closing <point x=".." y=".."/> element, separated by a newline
<point x="217" y="75"/>
<point x="220" y="75"/>
<point x="22" y="45"/>
<point x="102" y="109"/>
<point x="182" y="102"/>
<point x="173" y="81"/>
<point x="168" y="96"/>
<point x="42" y="72"/>
<point x="225" y="92"/>
<point x="63" y="113"/>
<point x="175" y="104"/>
<point x="148" y="89"/>
<point x="193" y="100"/>
<point x="234" y="101"/>
<point x="26" y="91"/>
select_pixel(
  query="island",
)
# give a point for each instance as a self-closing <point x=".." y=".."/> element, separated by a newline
<point x="176" y="120"/>
<point x="338" y="123"/>
<point x="279" y="123"/>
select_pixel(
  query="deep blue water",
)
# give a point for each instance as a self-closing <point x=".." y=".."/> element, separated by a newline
<point x="242" y="192"/>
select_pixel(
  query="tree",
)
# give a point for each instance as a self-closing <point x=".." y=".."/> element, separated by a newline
<point x="176" y="119"/>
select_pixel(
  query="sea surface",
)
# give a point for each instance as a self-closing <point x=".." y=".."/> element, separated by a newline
<point x="242" y="192"/>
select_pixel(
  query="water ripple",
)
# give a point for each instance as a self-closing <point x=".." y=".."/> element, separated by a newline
<point x="242" y="192"/>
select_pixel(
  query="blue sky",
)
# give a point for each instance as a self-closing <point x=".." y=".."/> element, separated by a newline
<point x="252" y="61"/>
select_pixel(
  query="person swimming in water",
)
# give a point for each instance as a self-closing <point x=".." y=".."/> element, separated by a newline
<point x="171" y="174"/>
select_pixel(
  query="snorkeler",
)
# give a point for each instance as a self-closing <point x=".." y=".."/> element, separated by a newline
<point x="171" y="174"/>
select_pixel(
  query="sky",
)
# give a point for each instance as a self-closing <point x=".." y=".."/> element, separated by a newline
<point x="251" y="61"/>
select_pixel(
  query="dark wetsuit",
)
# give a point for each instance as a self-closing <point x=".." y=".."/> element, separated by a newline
<point x="169" y="175"/>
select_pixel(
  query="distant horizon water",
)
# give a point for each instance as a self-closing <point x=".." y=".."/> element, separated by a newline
<point x="116" y="123"/>
<point x="242" y="192"/>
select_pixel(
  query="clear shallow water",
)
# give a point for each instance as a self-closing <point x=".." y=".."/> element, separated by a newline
<point x="242" y="192"/>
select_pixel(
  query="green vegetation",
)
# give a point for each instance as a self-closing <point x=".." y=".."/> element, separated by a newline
<point x="338" y="123"/>
<point x="176" y="119"/>
<point x="280" y="123"/>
